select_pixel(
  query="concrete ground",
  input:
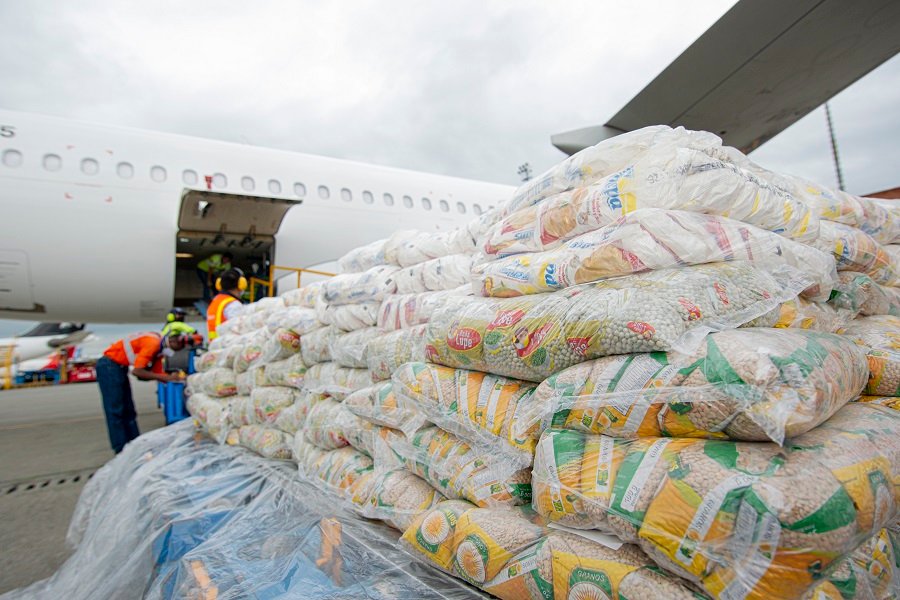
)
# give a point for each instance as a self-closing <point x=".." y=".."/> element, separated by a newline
<point x="52" y="439"/>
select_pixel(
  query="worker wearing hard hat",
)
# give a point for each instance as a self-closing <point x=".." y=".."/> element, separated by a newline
<point x="227" y="303"/>
<point x="142" y="353"/>
<point x="210" y="268"/>
<point x="175" y="323"/>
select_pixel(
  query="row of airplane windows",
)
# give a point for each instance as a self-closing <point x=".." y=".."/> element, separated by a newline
<point x="12" y="158"/>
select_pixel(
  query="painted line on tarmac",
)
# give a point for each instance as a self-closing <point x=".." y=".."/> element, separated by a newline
<point x="61" y="422"/>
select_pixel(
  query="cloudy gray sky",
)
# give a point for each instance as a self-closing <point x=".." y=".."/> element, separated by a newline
<point x="468" y="88"/>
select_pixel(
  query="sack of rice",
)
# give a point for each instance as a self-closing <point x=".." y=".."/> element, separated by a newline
<point x="444" y="273"/>
<point x="880" y="337"/>
<point x="351" y="349"/>
<point x="397" y="497"/>
<point x="381" y="406"/>
<point x="245" y="382"/>
<point x="738" y="519"/>
<point x="216" y="382"/>
<point x="349" y="317"/>
<point x="609" y="156"/>
<point x="210" y="414"/>
<point x="291" y="419"/>
<point x="304" y="296"/>
<point x="800" y="313"/>
<point x="268" y="402"/>
<point x="409" y="247"/>
<point x="325" y="424"/>
<point x="532" y="337"/>
<point x="336" y="381"/>
<point x="651" y="239"/>
<point x="208" y="360"/>
<point x="856" y="251"/>
<point x="282" y="344"/>
<point x="295" y="318"/>
<point x="251" y="352"/>
<point x="461" y="471"/>
<point x="363" y="258"/>
<point x="400" y="311"/>
<point x="241" y="411"/>
<point x="858" y="294"/>
<point x="265" y="441"/>
<point x="390" y="350"/>
<point x="340" y="469"/>
<point x="742" y="384"/>
<point x="353" y="288"/>
<point x="475" y="406"/>
<point x="316" y="346"/>
<point x="287" y="373"/>
<point x="363" y="435"/>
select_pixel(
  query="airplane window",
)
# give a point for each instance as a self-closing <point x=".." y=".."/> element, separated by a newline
<point x="445" y="206"/>
<point x="89" y="166"/>
<point x="219" y="180"/>
<point x="299" y="189"/>
<point x="477" y="208"/>
<point x="158" y="174"/>
<point x="247" y="183"/>
<point x="12" y="158"/>
<point x="388" y="200"/>
<point x="274" y="186"/>
<point x="407" y="202"/>
<point x="426" y="203"/>
<point x="125" y="170"/>
<point x="346" y="195"/>
<point x="368" y="198"/>
<point x="52" y="162"/>
<point x="189" y="177"/>
<point x="461" y="208"/>
<point x="323" y="192"/>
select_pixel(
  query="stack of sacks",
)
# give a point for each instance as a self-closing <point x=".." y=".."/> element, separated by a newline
<point x="880" y="337"/>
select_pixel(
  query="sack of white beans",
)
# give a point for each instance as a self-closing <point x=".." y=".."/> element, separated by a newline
<point x="381" y="406"/>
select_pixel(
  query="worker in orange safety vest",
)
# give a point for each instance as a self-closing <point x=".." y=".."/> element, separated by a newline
<point x="227" y="303"/>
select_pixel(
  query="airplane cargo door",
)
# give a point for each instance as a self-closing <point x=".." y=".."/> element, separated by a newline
<point x="15" y="282"/>
<point x="216" y="223"/>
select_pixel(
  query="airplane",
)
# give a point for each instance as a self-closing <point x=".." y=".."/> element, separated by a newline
<point x="44" y="339"/>
<point x="106" y="224"/>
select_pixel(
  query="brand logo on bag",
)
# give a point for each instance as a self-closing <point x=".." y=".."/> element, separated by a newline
<point x="464" y="338"/>
<point x="720" y="292"/>
<point x="692" y="309"/>
<point x="550" y="276"/>
<point x="579" y="345"/>
<point x="526" y="343"/>
<point x="641" y="328"/>
<point x="506" y="318"/>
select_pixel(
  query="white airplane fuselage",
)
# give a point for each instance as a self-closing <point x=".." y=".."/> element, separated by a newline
<point x="90" y="213"/>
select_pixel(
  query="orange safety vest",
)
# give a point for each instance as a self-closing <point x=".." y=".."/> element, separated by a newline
<point x="215" y="313"/>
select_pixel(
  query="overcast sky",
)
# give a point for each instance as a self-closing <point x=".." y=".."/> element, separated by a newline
<point x="471" y="89"/>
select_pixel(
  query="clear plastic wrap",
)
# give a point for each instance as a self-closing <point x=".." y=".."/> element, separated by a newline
<point x="353" y="288"/>
<point x="363" y="258"/>
<point x="880" y="337"/>
<point x="800" y="313"/>
<point x="316" y="346"/>
<point x="462" y="471"/>
<point x="216" y="382"/>
<point x="477" y="407"/>
<point x="268" y="402"/>
<point x="381" y="406"/>
<point x="609" y="156"/>
<point x="351" y="349"/>
<point x="303" y="296"/>
<point x="410" y="247"/>
<point x="390" y="350"/>
<point x="532" y="337"/>
<point x="288" y="372"/>
<point x="744" y="384"/>
<point x="651" y="239"/>
<point x="400" y="311"/>
<point x="855" y="250"/>
<point x="266" y="441"/>
<point x="856" y="292"/>
<point x="514" y="556"/>
<point x="397" y="497"/>
<point x="349" y="317"/>
<point x="334" y="380"/>
<point x="437" y="274"/>
<point x="737" y="519"/>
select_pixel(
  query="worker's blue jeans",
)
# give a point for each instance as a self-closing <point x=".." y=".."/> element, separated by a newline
<point x="118" y="404"/>
<point x="203" y="276"/>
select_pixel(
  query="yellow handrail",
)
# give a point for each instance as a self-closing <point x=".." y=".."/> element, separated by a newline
<point x="270" y="284"/>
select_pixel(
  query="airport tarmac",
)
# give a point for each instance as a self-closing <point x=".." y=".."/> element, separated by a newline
<point x="52" y="439"/>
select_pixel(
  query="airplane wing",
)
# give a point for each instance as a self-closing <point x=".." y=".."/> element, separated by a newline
<point x="760" y="68"/>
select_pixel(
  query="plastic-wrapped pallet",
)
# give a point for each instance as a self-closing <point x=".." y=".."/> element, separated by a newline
<point x="609" y="156"/>
<point x="304" y="296"/>
<point x="334" y="380"/>
<point x="316" y="346"/>
<point x="652" y="239"/>
<point x="532" y="337"/>
<point x="381" y="406"/>
<point x="738" y="519"/>
<point x="856" y="292"/>
<point x="854" y="250"/>
<point x="349" y="317"/>
<point x="460" y="470"/>
<point x="353" y="288"/>
<point x="389" y="350"/>
<point x="400" y="311"/>
<point x="437" y="274"/>
<point x="363" y="258"/>
<point x="880" y="337"/>
<point x="350" y="349"/>
<point x="266" y="441"/>
<point x="744" y="384"/>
